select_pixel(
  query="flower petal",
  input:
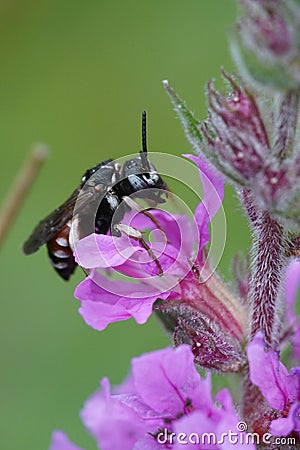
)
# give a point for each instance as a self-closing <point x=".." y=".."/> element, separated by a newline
<point x="195" y="431"/>
<point x="102" y="251"/>
<point x="285" y="425"/>
<point x="99" y="314"/>
<point x="173" y="381"/>
<point x="60" y="441"/>
<point x="113" y="425"/>
<point x="270" y="375"/>
<point x="179" y="230"/>
<point x="292" y="280"/>
<point x="213" y="187"/>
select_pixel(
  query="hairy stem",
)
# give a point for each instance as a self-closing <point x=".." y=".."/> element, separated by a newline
<point x="267" y="270"/>
<point x="286" y="119"/>
<point x="251" y="209"/>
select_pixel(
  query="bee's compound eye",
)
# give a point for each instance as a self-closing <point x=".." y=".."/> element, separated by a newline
<point x="117" y="167"/>
<point x="131" y="164"/>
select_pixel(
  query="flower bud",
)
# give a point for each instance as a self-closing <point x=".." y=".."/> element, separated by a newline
<point x="210" y="319"/>
<point x="268" y="42"/>
<point x="235" y="131"/>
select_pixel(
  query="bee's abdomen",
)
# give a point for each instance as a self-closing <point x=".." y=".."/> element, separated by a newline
<point x="61" y="254"/>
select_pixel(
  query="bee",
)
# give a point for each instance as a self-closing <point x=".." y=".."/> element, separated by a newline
<point x="106" y="189"/>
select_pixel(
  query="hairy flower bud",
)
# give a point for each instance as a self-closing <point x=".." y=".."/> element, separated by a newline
<point x="268" y="42"/>
<point x="235" y="131"/>
<point x="277" y="190"/>
<point x="235" y="140"/>
<point x="210" y="319"/>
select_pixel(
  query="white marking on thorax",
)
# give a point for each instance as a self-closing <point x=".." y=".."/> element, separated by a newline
<point x="112" y="201"/>
<point x="136" y="182"/>
<point x="153" y="178"/>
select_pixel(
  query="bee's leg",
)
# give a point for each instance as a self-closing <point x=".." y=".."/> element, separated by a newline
<point x="137" y="235"/>
<point x="136" y="207"/>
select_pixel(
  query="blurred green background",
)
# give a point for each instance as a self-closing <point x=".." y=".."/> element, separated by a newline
<point x="76" y="75"/>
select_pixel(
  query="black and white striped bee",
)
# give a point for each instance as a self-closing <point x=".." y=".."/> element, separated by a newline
<point x="102" y="194"/>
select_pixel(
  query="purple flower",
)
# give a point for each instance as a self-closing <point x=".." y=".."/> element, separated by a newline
<point x="280" y="388"/>
<point x="163" y="397"/>
<point x="292" y="280"/>
<point x="194" y="303"/>
<point x="213" y="186"/>
<point x="60" y="441"/>
<point x="104" y="300"/>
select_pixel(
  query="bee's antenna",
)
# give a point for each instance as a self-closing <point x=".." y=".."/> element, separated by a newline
<point x="143" y="152"/>
<point x="144" y="131"/>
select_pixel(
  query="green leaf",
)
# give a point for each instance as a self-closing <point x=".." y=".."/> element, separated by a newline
<point x="188" y="119"/>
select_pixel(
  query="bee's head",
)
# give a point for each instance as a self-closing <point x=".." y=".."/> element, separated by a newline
<point x="140" y="164"/>
<point x="142" y="174"/>
<point x="134" y="166"/>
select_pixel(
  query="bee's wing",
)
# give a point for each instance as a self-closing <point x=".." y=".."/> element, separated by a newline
<point x="49" y="226"/>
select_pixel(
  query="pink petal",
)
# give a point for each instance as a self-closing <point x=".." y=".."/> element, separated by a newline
<point x="147" y="442"/>
<point x="213" y="187"/>
<point x="102" y="251"/>
<point x="189" y="431"/>
<point x="284" y="426"/>
<point x="269" y="374"/>
<point x="99" y="307"/>
<point x="173" y="381"/>
<point x="112" y="424"/>
<point x="292" y="279"/>
<point x="60" y="441"/>
<point x="179" y="230"/>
